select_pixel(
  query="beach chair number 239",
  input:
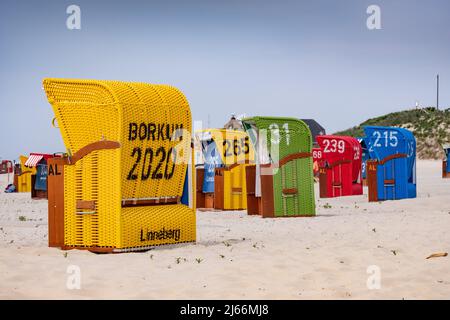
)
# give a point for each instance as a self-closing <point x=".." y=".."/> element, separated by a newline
<point x="275" y="133"/>
<point x="333" y="145"/>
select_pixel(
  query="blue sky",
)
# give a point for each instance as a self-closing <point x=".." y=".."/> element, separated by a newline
<point x="306" y="59"/>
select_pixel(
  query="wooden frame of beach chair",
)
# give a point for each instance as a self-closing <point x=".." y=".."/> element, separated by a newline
<point x="445" y="173"/>
<point x="254" y="205"/>
<point x="199" y="195"/>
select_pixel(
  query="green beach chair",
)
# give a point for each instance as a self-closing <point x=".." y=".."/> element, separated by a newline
<point x="283" y="178"/>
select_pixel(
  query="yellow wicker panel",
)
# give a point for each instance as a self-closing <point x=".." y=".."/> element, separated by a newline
<point x="156" y="225"/>
<point x="24" y="180"/>
<point x="238" y="181"/>
<point x="235" y="191"/>
<point x="70" y="216"/>
<point x="108" y="205"/>
<point x="148" y="167"/>
<point x="93" y="178"/>
<point x="143" y="118"/>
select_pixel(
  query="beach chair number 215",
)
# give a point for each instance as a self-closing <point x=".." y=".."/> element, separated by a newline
<point x="390" y="139"/>
<point x="275" y="133"/>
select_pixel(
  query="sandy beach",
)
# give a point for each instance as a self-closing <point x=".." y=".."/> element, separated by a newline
<point x="247" y="257"/>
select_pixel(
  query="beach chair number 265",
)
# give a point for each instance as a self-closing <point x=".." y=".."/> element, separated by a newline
<point x="275" y="133"/>
<point x="233" y="147"/>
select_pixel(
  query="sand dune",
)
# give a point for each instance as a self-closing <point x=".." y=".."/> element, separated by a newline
<point x="239" y="256"/>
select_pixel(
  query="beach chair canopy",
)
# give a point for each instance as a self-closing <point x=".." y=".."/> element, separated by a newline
<point x="315" y="128"/>
<point x="447" y="150"/>
<point x="232" y="151"/>
<point x="143" y="118"/>
<point x="364" y="156"/>
<point x="213" y="160"/>
<point x="447" y="158"/>
<point x="284" y="144"/>
<point x="275" y="138"/>
<point x="229" y="146"/>
<point x="394" y="149"/>
<point x="386" y="141"/>
<point x="36" y="158"/>
<point x="341" y="148"/>
<point x="133" y="141"/>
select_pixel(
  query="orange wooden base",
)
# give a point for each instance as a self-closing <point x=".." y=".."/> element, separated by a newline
<point x="445" y="174"/>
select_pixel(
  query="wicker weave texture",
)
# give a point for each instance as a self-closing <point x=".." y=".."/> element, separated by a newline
<point x="151" y="163"/>
<point x="235" y="190"/>
<point x="157" y="225"/>
<point x="284" y="137"/>
<point x="233" y="146"/>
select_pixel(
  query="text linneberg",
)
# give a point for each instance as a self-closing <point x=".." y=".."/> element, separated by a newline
<point x="163" y="234"/>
